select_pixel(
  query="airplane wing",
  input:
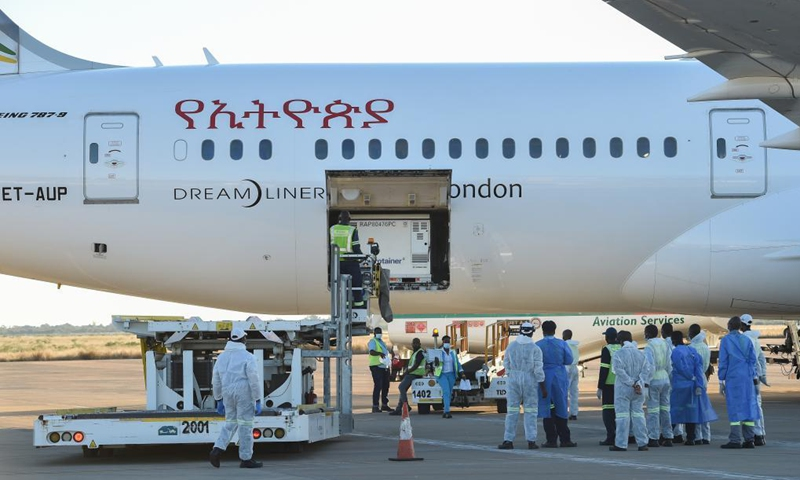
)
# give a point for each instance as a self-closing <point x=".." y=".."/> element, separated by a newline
<point x="755" y="44"/>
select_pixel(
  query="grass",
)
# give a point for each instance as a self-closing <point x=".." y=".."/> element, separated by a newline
<point x="85" y="347"/>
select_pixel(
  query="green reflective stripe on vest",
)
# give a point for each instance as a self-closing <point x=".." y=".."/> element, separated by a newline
<point x="660" y="355"/>
<point x="612" y="349"/>
<point x="342" y="237"/>
<point x="421" y="369"/>
<point x="375" y="360"/>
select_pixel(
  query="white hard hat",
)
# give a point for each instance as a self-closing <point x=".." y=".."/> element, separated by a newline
<point x="237" y="334"/>
<point x="747" y="319"/>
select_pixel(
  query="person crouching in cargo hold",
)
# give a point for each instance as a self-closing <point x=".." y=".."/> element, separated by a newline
<point x="345" y="236"/>
<point x="416" y="369"/>
<point x="379" y="367"/>
<point x="447" y="369"/>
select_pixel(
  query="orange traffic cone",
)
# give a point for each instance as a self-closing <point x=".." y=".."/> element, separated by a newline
<point x="405" y="449"/>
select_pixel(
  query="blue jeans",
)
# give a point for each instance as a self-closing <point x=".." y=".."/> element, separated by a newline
<point x="447" y="381"/>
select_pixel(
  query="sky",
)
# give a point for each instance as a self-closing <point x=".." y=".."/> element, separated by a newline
<point x="302" y="31"/>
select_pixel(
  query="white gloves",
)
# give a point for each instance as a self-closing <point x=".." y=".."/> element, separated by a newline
<point x="722" y="387"/>
<point x="763" y="379"/>
<point x="599" y="393"/>
<point x="698" y="391"/>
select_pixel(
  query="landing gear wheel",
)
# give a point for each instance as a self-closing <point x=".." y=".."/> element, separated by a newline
<point x="90" y="452"/>
<point x="502" y="406"/>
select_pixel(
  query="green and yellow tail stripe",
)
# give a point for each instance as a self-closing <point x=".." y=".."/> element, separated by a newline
<point x="7" y="51"/>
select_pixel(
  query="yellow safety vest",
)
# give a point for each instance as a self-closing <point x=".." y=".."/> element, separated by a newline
<point x="342" y="237"/>
<point x="421" y="369"/>
<point x="612" y="349"/>
<point x="375" y="360"/>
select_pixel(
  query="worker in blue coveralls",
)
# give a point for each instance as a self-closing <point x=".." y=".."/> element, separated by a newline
<point x="556" y="355"/>
<point x="738" y="378"/>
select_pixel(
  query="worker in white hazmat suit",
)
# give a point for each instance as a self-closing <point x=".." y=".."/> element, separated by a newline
<point x="633" y="372"/>
<point x="524" y="378"/>
<point x="236" y="390"/>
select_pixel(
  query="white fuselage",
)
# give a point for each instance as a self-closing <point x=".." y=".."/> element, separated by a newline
<point x="691" y="233"/>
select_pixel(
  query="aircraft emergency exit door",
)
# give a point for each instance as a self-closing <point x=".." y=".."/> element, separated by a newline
<point x="111" y="158"/>
<point x="738" y="164"/>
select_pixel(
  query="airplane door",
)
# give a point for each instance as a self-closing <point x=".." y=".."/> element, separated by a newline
<point x="111" y="158"/>
<point x="738" y="164"/>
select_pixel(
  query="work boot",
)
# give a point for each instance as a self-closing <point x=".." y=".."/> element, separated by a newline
<point x="606" y="442"/>
<point x="386" y="408"/>
<point x="573" y="418"/>
<point x="705" y="442"/>
<point x="689" y="443"/>
<point x="653" y="443"/>
<point x="667" y="442"/>
<point x="376" y="410"/>
<point x="759" y="441"/>
<point x="749" y="444"/>
<point x="533" y="446"/>
<point x="731" y="445"/>
<point x="213" y="457"/>
<point x="396" y="411"/>
<point x="614" y="448"/>
<point x="250" y="464"/>
<point x="506" y="445"/>
<point x="550" y="445"/>
<point x="643" y="448"/>
<point x="568" y="444"/>
<point x="678" y="439"/>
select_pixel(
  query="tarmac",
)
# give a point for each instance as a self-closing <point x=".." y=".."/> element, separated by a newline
<point x="463" y="447"/>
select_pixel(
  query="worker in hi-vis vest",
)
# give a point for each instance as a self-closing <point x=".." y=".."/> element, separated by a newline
<point x="447" y="369"/>
<point x="345" y="236"/>
<point x="416" y="369"/>
<point x="379" y="362"/>
<point x="605" y="385"/>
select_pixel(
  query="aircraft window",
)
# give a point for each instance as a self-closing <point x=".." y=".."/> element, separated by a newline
<point x="237" y="149"/>
<point x="481" y="148"/>
<point x="562" y="148"/>
<point x="615" y="147"/>
<point x="455" y="148"/>
<point x="374" y="149"/>
<point x="535" y="147"/>
<point x="401" y="148"/>
<point x="509" y="148"/>
<point x="179" y="150"/>
<point x="93" y="153"/>
<point x="722" y="149"/>
<point x="643" y="147"/>
<point x="207" y="149"/>
<point x="589" y="147"/>
<point x="321" y="149"/>
<point x="265" y="149"/>
<point x="348" y="149"/>
<point x="670" y="147"/>
<point x="428" y="148"/>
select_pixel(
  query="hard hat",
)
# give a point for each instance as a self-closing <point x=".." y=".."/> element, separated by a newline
<point x="747" y="319"/>
<point x="527" y="328"/>
<point x="237" y="334"/>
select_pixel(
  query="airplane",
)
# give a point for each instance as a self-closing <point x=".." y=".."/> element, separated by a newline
<point x="586" y="329"/>
<point x="540" y="187"/>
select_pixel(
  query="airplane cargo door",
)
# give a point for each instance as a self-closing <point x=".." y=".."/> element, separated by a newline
<point x="738" y="164"/>
<point x="111" y="158"/>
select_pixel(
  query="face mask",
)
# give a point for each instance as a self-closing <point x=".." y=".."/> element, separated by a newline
<point x="446" y="346"/>
<point x="378" y="336"/>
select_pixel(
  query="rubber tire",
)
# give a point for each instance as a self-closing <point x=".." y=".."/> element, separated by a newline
<point x="90" y="452"/>
<point x="502" y="406"/>
<point x="424" y="408"/>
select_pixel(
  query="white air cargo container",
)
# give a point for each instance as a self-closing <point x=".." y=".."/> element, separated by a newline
<point x="404" y="241"/>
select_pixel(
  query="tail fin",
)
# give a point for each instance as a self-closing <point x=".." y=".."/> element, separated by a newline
<point x="21" y="53"/>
